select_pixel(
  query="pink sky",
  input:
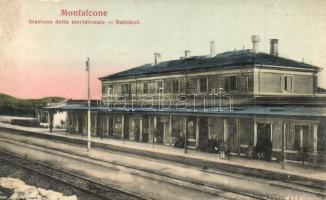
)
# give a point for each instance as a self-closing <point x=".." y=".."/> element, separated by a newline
<point x="38" y="82"/>
<point x="67" y="84"/>
<point x="49" y="60"/>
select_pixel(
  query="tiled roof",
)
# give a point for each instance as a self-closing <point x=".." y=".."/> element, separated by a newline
<point x="226" y="59"/>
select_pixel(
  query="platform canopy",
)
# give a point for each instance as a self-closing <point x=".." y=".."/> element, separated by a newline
<point x="250" y="110"/>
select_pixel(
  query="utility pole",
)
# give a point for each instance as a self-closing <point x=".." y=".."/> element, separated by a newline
<point x="89" y="106"/>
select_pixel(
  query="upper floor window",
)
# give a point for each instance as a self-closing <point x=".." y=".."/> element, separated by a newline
<point x="110" y="89"/>
<point x="286" y="83"/>
<point x="202" y="84"/>
<point x="230" y="83"/>
<point x="145" y="88"/>
<point x="175" y="86"/>
<point x="159" y="86"/>
<point x="125" y="89"/>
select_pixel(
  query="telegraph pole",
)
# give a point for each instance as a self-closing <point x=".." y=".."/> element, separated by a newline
<point x="89" y="106"/>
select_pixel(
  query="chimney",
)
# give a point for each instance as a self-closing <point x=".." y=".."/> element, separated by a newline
<point x="187" y="54"/>
<point x="255" y="42"/>
<point x="212" y="49"/>
<point x="274" y="47"/>
<point x="157" y="57"/>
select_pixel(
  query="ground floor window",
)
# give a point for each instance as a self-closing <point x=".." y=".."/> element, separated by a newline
<point x="145" y="128"/>
<point x="191" y="128"/>
<point x="117" y="126"/>
<point x="177" y="126"/>
<point x="264" y="146"/>
<point x="264" y="132"/>
<point x="321" y="145"/>
<point x="300" y="138"/>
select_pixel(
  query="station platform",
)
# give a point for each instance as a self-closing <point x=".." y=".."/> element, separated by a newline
<point x="287" y="172"/>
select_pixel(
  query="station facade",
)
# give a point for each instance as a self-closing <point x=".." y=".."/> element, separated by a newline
<point x="241" y="98"/>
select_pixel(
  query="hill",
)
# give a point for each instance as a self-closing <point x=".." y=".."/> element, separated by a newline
<point x="10" y="105"/>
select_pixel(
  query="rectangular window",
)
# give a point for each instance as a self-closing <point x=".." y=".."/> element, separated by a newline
<point x="297" y="138"/>
<point x="175" y="86"/>
<point x="202" y="84"/>
<point x="110" y="89"/>
<point x="249" y="84"/>
<point x="159" y="86"/>
<point x="178" y="126"/>
<point x="145" y="88"/>
<point x="233" y="83"/>
<point x="287" y="83"/>
<point x="300" y="139"/>
<point x="230" y="83"/>
<point x="126" y="89"/>
<point x="293" y="140"/>
<point x="307" y="139"/>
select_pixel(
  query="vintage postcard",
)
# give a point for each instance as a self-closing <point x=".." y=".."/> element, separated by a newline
<point x="175" y="99"/>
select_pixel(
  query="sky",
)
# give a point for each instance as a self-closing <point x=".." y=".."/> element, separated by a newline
<point x="38" y="60"/>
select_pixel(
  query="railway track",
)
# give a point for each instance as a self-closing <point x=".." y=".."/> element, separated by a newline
<point x="97" y="189"/>
<point x="293" y="185"/>
<point x="298" y="185"/>
<point x="239" y="195"/>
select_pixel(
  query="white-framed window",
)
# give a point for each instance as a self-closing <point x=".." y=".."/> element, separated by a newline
<point x="300" y="139"/>
<point x="202" y="84"/>
<point x="175" y="86"/>
<point x="110" y="89"/>
<point x="159" y="86"/>
<point x="125" y="88"/>
<point x="287" y="83"/>
<point x="145" y="87"/>
<point x="230" y="83"/>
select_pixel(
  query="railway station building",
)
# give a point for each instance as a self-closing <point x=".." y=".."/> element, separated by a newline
<point x="241" y="97"/>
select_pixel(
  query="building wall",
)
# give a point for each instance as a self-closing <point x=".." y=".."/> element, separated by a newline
<point x="272" y="81"/>
<point x="188" y="86"/>
<point x="249" y="82"/>
<point x="298" y="134"/>
<point x="303" y="84"/>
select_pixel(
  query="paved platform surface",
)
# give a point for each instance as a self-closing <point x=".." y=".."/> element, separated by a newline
<point x="144" y="175"/>
<point x="199" y="158"/>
